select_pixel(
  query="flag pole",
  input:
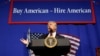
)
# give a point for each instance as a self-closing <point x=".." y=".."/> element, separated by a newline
<point x="28" y="39"/>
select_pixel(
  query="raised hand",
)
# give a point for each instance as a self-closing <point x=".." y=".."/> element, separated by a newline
<point x="24" y="41"/>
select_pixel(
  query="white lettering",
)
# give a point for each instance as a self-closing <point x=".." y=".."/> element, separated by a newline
<point x="19" y="11"/>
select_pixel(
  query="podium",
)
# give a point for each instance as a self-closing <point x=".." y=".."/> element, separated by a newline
<point x="39" y="48"/>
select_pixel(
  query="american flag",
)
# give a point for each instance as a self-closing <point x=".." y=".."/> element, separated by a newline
<point x="75" y="42"/>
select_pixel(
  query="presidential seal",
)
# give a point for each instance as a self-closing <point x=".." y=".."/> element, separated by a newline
<point x="50" y="42"/>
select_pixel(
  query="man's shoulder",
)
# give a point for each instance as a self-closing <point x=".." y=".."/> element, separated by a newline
<point x="59" y="36"/>
<point x="43" y="36"/>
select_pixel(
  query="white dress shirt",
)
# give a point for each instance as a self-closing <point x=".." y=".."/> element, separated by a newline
<point x="53" y="34"/>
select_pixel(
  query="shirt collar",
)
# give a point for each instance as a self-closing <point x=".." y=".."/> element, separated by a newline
<point x="53" y="34"/>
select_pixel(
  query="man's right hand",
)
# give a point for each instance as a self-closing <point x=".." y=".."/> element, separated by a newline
<point x="24" y="41"/>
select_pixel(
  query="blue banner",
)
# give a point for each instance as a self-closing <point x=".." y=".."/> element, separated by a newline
<point x="61" y="12"/>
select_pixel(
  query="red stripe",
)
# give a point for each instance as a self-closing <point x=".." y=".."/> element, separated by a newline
<point x="52" y="0"/>
<point x="74" y="44"/>
<point x="74" y="40"/>
<point x="73" y="49"/>
<point x="10" y="12"/>
<point x="72" y="53"/>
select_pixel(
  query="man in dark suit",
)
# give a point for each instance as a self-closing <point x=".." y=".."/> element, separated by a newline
<point x="52" y="27"/>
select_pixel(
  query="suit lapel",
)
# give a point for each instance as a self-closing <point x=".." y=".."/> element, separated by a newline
<point x="57" y="35"/>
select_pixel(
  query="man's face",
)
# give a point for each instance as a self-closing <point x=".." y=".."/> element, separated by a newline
<point x="52" y="25"/>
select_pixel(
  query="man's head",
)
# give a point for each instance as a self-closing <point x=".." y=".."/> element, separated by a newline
<point x="52" y="25"/>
